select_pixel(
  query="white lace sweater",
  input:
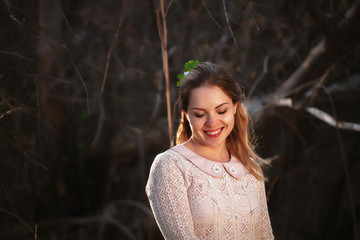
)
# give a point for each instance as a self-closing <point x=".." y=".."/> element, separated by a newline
<point x="195" y="198"/>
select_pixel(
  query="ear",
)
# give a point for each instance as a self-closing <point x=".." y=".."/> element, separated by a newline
<point x="235" y="107"/>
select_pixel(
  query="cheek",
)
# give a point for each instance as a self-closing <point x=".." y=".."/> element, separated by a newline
<point x="195" y="123"/>
<point x="229" y="119"/>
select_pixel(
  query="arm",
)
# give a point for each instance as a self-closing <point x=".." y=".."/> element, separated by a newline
<point x="167" y="193"/>
<point x="264" y="230"/>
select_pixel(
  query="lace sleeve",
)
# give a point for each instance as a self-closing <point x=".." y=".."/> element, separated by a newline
<point x="167" y="193"/>
<point x="264" y="230"/>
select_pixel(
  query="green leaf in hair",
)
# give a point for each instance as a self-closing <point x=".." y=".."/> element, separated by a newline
<point x="188" y="67"/>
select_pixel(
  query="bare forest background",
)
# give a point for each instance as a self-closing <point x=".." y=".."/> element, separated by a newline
<point x="84" y="109"/>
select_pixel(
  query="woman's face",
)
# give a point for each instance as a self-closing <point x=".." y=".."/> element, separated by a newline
<point x="211" y="116"/>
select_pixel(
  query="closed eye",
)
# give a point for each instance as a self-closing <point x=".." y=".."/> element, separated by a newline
<point x="223" y="112"/>
<point x="199" y="115"/>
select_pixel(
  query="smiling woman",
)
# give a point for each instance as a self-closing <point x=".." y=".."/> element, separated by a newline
<point x="211" y="118"/>
<point x="210" y="186"/>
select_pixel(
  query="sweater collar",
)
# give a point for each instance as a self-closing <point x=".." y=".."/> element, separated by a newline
<point x="233" y="167"/>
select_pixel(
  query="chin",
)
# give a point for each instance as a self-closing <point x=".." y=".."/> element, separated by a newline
<point x="214" y="143"/>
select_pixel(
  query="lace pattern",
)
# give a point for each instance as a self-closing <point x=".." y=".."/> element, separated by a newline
<point x="206" y="201"/>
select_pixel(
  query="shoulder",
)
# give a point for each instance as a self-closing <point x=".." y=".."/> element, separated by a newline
<point x="168" y="159"/>
<point x="168" y="156"/>
<point x="168" y="167"/>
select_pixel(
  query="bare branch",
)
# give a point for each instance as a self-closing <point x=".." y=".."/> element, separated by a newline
<point x="327" y="118"/>
<point x="106" y="217"/>
<point x="209" y="13"/>
<point x="314" y="56"/>
<point x="325" y="52"/>
<point x="9" y="112"/>
<point x="100" y="124"/>
<point x="140" y="132"/>
<point x="17" y="55"/>
<point x="121" y="21"/>
<point x="26" y="155"/>
<point x="319" y="84"/>
<point x="168" y="7"/>
<point x="347" y="172"/>
<point x="136" y="204"/>
<point x="68" y="23"/>
<point x="18" y="218"/>
<point x="82" y="82"/>
<point x="261" y="77"/>
<point x="36" y="235"/>
<point x="323" y="116"/>
<point x="247" y="8"/>
<point x="317" y="17"/>
<point x="228" y="24"/>
<point x="162" y="30"/>
<point x="8" y="198"/>
<point x="14" y="109"/>
<point x="157" y="103"/>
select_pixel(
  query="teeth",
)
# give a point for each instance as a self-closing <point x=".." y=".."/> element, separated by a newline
<point x="213" y="132"/>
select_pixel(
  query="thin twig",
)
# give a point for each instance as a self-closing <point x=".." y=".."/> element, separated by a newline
<point x="162" y="30"/>
<point x="8" y="103"/>
<point x="228" y="24"/>
<point x="18" y="218"/>
<point x="346" y="169"/>
<point x="68" y="57"/>
<point x="247" y="8"/>
<point x="320" y="84"/>
<point x="174" y="110"/>
<point x="168" y="7"/>
<point x="140" y="132"/>
<point x="17" y="55"/>
<point x="36" y="236"/>
<point x="68" y="23"/>
<point x="9" y="111"/>
<point x="261" y="77"/>
<point x="209" y="13"/>
<point x="302" y="87"/>
<point x="157" y="103"/>
<point x="42" y="76"/>
<point x="317" y="18"/>
<point x="82" y="82"/>
<point x="105" y="218"/>
<point x="121" y="21"/>
<point x="32" y="160"/>
<point x="118" y="60"/>
<point x="136" y="204"/>
<point x="8" y="198"/>
<point x="100" y="124"/>
<point x="272" y="185"/>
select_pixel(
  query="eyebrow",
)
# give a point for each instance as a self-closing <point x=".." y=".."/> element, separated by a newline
<point x="195" y="108"/>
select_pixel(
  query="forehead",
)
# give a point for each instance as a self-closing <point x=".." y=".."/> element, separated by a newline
<point x="208" y="97"/>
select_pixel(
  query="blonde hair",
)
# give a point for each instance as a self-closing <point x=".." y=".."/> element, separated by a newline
<point x="237" y="142"/>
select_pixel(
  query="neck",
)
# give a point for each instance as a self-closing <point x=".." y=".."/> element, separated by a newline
<point x="217" y="153"/>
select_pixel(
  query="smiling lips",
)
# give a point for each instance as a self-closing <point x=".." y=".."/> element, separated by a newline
<point x="214" y="133"/>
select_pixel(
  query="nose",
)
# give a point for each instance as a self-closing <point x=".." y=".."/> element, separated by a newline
<point x="210" y="120"/>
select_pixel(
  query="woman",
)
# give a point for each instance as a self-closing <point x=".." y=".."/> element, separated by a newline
<point x="210" y="185"/>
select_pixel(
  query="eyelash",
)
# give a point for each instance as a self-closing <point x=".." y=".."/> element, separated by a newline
<point x="201" y="115"/>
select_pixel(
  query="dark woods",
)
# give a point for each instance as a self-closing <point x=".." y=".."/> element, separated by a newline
<point x="83" y="109"/>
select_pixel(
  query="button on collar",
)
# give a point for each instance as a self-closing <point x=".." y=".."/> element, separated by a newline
<point x="232" y="170"/>
<point x="234" y="167"/>
<point x="216" y="168"/>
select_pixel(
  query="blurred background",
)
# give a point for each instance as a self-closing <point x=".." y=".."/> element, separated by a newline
<point x="83" y="110"/>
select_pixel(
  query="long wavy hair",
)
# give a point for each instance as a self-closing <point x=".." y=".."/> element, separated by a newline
<point x="237" y="142"/>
